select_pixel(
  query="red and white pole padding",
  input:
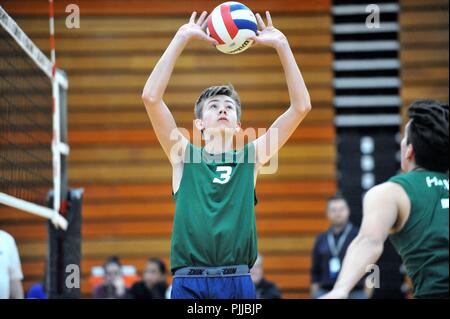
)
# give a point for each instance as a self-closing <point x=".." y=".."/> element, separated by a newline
<point x="56" y="120"/>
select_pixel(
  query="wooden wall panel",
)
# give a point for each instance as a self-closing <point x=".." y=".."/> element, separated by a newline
<point x="158" y="7"/>
<point x="424" y="50"/>
<point x="116" y="157"/>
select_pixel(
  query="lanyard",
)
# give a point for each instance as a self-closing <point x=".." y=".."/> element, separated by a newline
<point x="332" y="243"/>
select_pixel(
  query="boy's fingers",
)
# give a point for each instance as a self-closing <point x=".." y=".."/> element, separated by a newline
<point x="269" y="19"/>
<point x="255" y="40"/>
<point x="202" y="18"/>
<point x="204" y="24"/>
<point x="260" y="21"/>
<point x="193" y="15"/>
<point x="210" y="39"/>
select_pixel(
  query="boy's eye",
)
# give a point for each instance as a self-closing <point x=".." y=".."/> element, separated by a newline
<point x="213" y="106"/>
<point x="229" y="107"/>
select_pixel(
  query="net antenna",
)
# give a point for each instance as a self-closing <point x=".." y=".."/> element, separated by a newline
<point x="14" y="136"/>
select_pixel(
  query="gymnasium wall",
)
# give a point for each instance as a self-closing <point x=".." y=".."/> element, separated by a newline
<point x="424" y="50"/>
<point x="115" y="156"/>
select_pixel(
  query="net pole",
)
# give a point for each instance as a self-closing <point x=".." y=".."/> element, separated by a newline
<point x="56" y="120"/>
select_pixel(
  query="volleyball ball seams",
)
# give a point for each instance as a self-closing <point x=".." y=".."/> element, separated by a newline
<point x="232" y="24"/>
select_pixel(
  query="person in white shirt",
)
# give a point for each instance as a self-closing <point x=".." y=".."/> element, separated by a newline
<point x="10" y="268"/>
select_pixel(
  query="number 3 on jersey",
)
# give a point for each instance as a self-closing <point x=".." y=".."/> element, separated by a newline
<point x="225" y="176"/>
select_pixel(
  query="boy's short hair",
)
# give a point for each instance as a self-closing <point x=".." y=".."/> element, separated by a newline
<point x="227" y="90"/>
<point x="428" y="133"/>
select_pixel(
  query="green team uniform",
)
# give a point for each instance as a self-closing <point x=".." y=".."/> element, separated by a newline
<point x="214" y="223"/>
<point x="423" y="241"/>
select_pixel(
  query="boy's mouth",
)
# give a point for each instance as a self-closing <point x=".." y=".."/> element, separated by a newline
<point x="222" y="118"/>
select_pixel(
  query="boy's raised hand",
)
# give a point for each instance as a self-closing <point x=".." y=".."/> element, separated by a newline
<point x="196" y="30"/>
<point x="269" y="35"/>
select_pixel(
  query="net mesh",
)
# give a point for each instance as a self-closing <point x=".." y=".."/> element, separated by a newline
<point x="25" y="124"/>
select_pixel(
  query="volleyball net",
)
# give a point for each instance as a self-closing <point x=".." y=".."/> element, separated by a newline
<point x="33" y="126"/>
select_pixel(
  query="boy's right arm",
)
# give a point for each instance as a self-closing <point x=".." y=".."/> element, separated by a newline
<point x="160" y="116"/>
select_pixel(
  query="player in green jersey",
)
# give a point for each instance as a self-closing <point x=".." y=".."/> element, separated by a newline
<point x="411" y="208"/>
<point x="214" y="234"/>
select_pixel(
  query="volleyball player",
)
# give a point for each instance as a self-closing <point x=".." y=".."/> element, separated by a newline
<point x="214" y="240"/>
<point x="410" y="208"/>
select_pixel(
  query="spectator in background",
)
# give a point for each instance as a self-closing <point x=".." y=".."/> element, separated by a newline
<point x="329" y="250"/>
<point x="10" y="268"/>
<point x="114" y="285"/>
<point x="154" y="282"/>
<point x="39" y="289"/>
<point x="264" y="288"/>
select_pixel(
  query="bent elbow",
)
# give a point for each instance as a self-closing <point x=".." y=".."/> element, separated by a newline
<point x="306" y="107"/>
<point x="145" y="98"/>
<point x="148" y="99"/>
<point x="303" y="109"/>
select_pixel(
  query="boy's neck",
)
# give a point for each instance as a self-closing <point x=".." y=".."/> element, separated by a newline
<point x="218" y="144"/>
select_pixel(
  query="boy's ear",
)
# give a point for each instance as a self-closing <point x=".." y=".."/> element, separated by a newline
<point x="409" y="151"/>
<point x="199" y="124"/>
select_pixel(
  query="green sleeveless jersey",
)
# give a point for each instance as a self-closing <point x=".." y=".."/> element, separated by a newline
<point x="214" y="223"/>
<point x="423" y="241"/>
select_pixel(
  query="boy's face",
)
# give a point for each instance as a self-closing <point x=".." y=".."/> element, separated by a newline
<point x="219" y="115"/>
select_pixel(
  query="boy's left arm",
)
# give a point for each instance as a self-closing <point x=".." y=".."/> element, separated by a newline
<point x="279" y="132"/>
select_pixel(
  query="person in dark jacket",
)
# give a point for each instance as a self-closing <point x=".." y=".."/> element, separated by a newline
<point x="114" y="285"/>
<point x="329" y="250"/>
<point x="154" y="282"/>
